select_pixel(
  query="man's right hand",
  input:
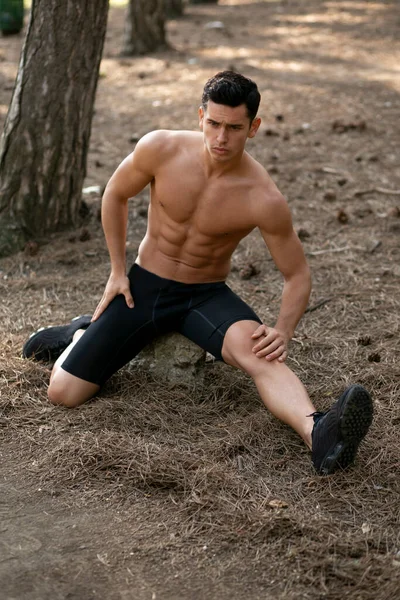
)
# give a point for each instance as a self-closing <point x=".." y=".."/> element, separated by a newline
<point x="115" y="286"/>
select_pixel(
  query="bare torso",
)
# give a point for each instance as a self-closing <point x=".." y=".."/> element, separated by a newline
<point x="196" y="219"/>
<point x="207" y="194"/>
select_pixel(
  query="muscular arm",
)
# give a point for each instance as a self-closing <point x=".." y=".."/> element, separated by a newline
<point x="276" y="226"/>
<point x="130" y="178"/>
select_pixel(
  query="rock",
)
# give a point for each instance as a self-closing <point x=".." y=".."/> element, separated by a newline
<point x="214" y="25"/>
<point x="92" y="189"/>
<point x="173" y="358"/>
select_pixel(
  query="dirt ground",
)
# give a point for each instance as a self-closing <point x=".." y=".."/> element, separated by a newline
<point x="154" y="492"/>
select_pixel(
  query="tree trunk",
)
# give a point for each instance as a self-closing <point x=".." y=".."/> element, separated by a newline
<point x="145" y="27"/>
<point x="45" y="141"/>
<point x="173" y="8"/>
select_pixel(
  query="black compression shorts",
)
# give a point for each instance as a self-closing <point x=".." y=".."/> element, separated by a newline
<point x="201" y="312"/>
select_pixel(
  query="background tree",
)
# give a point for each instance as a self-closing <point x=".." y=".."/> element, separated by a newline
<point x="11" y="16"/>
<point x="173" y="8"/>
<point x="145" y="27"/>
<point x="46" y="135"/>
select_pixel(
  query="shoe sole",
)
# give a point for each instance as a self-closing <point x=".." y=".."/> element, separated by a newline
<point x="355" y="420"/>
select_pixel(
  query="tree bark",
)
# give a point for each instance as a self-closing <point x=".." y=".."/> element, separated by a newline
<point x="46" y="135"/>
<point x="145" y="27"/>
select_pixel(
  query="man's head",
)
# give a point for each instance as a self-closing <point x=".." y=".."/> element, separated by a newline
<point x="232" y="89"/>
<point x="227" y="116"/>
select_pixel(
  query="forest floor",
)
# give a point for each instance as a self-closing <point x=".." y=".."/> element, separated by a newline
<point x="173" y="493"/>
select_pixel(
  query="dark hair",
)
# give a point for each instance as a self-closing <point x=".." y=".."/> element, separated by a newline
<point x="232" y="89"/>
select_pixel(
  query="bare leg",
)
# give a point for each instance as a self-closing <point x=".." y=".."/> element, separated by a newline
<point x="280" y="389"/>
<point x="66" y="389"/>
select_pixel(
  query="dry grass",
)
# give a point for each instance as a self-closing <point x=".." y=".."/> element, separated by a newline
<point x="218" y="470"/>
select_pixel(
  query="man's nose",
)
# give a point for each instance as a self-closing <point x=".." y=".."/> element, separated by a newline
<point x="222" y="135"/>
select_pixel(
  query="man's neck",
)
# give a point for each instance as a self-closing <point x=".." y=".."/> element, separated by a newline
<point x="215" y="168"/>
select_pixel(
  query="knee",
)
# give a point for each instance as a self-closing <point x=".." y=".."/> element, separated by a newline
<point x="246" y="361"/>
<point x="255" y="366"/>
<point x="70" y="391"/>
<point x="59" y="395"/>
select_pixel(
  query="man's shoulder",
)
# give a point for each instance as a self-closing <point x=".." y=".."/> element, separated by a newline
<point x="160" y="137"/>
<point x="159" y="146"/>
<point x="265" y="198"/>
<point x="261" y="179"/>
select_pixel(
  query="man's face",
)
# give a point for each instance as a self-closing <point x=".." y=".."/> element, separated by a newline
<point x="226" y="129"/>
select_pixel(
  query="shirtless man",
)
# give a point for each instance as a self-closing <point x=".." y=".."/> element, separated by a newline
<point x="207" y="193"/>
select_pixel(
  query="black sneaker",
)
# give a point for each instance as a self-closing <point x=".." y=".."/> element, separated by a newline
<point x="49" y="342"/>
<point x="338" y="432"/>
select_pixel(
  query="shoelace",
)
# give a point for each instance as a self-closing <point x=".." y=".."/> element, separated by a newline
<point x="317" y="415"/>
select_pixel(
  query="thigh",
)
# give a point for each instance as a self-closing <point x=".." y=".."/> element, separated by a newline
<point x="206" y="323"/>
<point x="109" y="343"/>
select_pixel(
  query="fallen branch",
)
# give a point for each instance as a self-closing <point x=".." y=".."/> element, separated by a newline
<point x="318" y="305"/>
<point x="316" y="252"/>
<point x="374" y="247"/>
<point x="380" y="190"/>
<point x="331" y="170"/>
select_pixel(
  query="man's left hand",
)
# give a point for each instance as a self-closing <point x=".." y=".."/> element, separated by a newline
<point x="273" y="344"/>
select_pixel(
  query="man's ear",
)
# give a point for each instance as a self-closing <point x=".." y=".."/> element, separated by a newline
<point x="201" y="117"/>
<point x="254" y="127"/>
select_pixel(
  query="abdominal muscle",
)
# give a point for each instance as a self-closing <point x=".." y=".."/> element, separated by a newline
<point x="178" y="263"/>
<point x="181" y="252"/>
<point x="191" y="239"/>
